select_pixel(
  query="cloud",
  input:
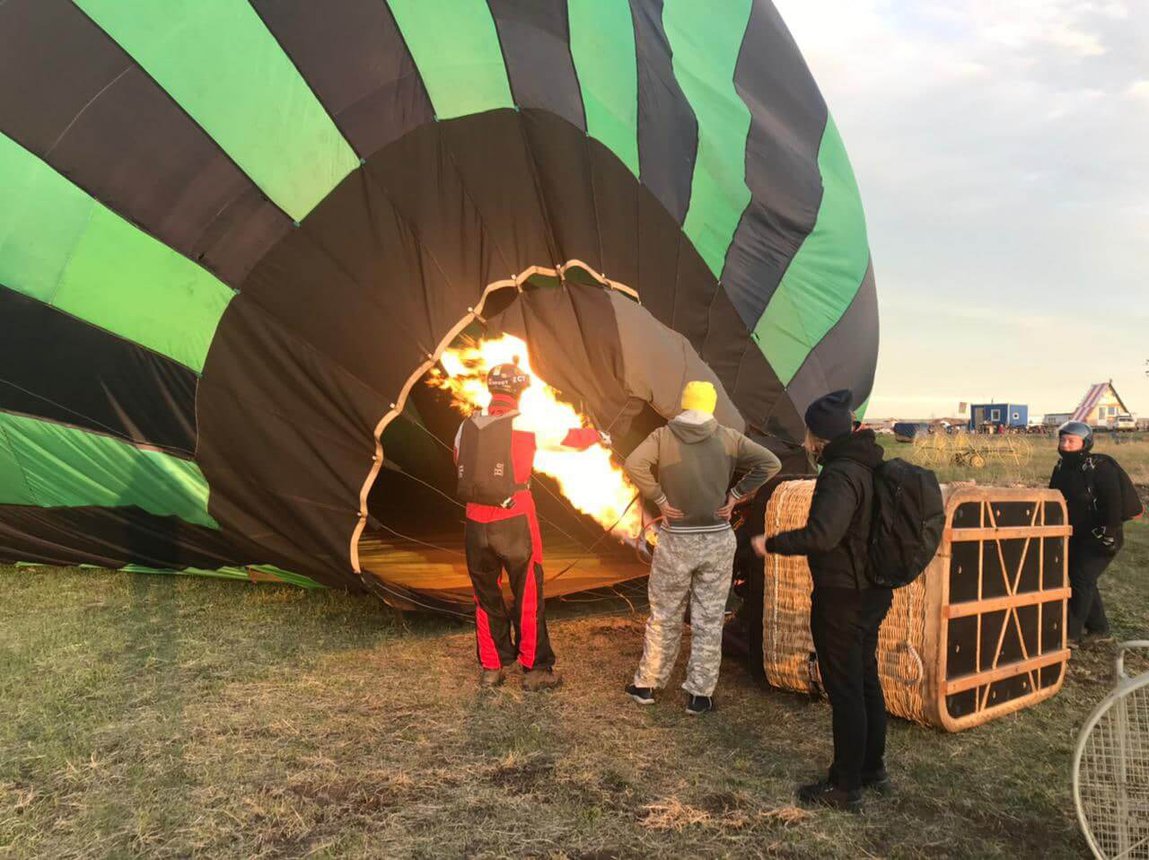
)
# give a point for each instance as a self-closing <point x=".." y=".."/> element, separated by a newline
<point x="1001" y="153"/>
<point x="1048" y="25"/>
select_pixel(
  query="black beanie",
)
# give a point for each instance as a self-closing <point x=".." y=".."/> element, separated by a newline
<point x="830" y="417"/>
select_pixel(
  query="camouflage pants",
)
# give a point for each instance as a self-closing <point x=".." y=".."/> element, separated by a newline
<point x="697" y="567"/>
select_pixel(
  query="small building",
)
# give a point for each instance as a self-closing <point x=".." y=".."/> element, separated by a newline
<point x="1100" y="406"/>
<point x="998" y="414"/>
<point x="1053" y="420"/>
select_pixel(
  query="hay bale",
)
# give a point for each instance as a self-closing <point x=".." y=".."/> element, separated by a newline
<point x="981" y="633"/>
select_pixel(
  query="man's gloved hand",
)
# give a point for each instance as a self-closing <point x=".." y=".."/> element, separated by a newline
<point x="1107" y="540"/>
<point x="605" y="439"/>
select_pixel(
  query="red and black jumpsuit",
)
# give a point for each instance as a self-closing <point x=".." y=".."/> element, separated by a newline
<point x="507" y="538"/>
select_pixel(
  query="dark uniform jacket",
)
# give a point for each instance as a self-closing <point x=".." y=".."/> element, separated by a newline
<point x="1092" y="489"/>
<point x="835" y="536"/>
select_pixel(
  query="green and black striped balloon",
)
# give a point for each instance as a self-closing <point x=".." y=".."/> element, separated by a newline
<point x="235" y="233"/>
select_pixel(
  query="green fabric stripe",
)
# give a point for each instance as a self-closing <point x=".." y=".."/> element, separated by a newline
<point x="51" y="465"/>
<point x="62" y="247"/>
<point x="287" y="576"/>
<point x="456" y="48"/>
<point x="826" y="272"/>
<point x="602" y="47"/>
<point x="218" y="573"/>
<point x="220" y="63"/>
<point x="705" y="40"/>
<point x="240" y="573"/>
<point x="860" y="412"/>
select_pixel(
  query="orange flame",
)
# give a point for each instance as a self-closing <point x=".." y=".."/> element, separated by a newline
<point x="589" y="479"/>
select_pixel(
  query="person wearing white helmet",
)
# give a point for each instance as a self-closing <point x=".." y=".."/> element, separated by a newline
<point x="494" y="458"/>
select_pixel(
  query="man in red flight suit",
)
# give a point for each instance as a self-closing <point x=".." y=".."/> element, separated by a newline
<point x="495" y="458"/>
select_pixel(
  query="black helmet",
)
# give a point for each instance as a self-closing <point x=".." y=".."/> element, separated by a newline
<point x="1077" y="428"/>
<point x="509" y="379"/>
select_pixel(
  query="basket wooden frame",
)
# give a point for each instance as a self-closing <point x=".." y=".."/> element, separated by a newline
<point x="1021" y="570"/>
<point x="991" y="535"/>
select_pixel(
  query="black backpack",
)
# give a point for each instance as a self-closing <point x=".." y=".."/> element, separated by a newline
<point x="1131" y="507"/>
<point x="485" y="467"/>
<point x="908" y="519"/>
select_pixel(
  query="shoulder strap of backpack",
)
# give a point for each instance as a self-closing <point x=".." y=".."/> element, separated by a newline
<point x="1090" y="468"/>
<point x="861" y="538"/>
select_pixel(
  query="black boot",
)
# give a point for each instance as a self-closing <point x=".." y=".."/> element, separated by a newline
<point x="878" y="781"/>
<point x="696" y="705"/>
<point x="826" y="793"/>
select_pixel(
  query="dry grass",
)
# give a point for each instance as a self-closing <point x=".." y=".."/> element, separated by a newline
<point x="165" y="716"/>
<point x="736" y="813"/>
<point x="1130" y="449"/>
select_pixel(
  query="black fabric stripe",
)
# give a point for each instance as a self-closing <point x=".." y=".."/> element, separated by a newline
<point x="288" y="480"/>
<point x="353" y="56"/>
<point x="72" y="96"/>
<point x="847" y="356"/>
<point x="110" y="537"/>
<point x="746" y="375"/>
<point x="59" y="368"/>
<point x="564" y="177"/>
<point x="765" y="403"/>
<point x="508" y="204"/>
<point x="381" y="307"/>
<point x="535" y="38"/>
<point x="788" y="116"/>
<point x="615" y="195"/>
<point x="667" y="127"/>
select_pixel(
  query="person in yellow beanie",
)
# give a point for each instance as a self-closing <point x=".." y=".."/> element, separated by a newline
<point x="696" y="458"/>
<point x="699" y="397"/>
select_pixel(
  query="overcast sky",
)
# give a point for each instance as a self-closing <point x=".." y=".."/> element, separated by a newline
<point x="1002" y="151"/>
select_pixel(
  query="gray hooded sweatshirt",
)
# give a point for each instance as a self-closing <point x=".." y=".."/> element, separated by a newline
<point x="696" y="459"/>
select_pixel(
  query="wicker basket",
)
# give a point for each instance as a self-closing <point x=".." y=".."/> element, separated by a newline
<point x="980" y="634"/>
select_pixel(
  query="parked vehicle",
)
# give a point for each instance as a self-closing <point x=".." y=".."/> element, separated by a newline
<point x="1123" y="421"/>
<point x="906" y="431"/>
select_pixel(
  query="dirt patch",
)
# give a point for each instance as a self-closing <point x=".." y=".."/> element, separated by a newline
<point x="523" y="777"/>
<point x="355" y="795"/>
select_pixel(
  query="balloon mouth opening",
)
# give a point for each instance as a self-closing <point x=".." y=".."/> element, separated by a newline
<point x="591" y="518"/>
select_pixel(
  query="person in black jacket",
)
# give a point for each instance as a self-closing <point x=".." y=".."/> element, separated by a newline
<point x="1092" y="489"/>
<point x="846" y="610"/>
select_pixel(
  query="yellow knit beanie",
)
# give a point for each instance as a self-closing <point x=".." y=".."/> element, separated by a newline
<point x="699" y="397"/>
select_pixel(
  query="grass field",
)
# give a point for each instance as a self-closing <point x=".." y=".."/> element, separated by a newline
<point x="1132" y="450"/>
<point x="168" y="716"/>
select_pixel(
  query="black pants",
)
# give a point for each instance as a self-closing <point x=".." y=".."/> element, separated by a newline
<point x="845" y="624"/>
<point x="1086" y="611"/>
<point x="501" y="636"/>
